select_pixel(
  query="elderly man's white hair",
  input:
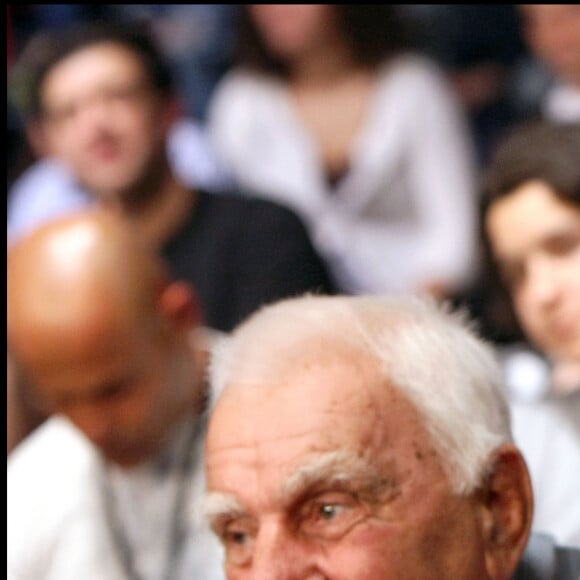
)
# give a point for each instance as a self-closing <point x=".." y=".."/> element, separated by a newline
<point x="429" y="353"/>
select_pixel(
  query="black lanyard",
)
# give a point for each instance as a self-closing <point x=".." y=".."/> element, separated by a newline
<point x="177" y="532"/>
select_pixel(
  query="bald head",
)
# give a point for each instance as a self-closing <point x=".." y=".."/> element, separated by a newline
<point x="102" y="333"/>
<point x="87" y="265"/>
<point x="75" y="275"/>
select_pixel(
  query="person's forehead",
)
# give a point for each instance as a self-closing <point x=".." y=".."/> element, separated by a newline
<point x="319" y="408"/>
<point x="532" y="209"/>
<point x="90" y="65"/>
<point x="90" y="335"/>
<point x="267" y="447"/>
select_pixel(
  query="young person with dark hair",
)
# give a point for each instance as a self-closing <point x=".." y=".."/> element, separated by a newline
<point x="532" y="228"/>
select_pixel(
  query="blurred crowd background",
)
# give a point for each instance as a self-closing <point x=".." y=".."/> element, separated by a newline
<point x="500" y="60"/>
<point x="332" y="149"/>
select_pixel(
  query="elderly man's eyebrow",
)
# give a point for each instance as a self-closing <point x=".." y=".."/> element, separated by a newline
<point x="217" y="506"/>
<point x="342" y="469"/>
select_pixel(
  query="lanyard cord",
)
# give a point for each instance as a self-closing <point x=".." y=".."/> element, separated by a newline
<point x="177" y="532"/>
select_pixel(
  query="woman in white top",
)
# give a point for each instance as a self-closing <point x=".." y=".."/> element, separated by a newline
<point x="367" y="143"/>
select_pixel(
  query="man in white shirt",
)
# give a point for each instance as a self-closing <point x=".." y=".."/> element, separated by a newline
<point x="106" y="488"/>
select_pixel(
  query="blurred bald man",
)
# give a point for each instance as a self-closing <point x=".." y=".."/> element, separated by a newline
<point x="109" y="344"/>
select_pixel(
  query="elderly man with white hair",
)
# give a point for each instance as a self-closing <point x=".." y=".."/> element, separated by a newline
<point x="367" y="438"/>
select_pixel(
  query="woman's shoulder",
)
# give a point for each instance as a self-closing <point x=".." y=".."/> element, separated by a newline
<point x="242" y="99"/>
<point x="412" y="69"/>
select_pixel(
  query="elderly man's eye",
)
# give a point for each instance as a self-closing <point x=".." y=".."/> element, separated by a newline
<point x="329" y="511"/>
<point x="331" y="515"/>
<point x="238" y="541"/>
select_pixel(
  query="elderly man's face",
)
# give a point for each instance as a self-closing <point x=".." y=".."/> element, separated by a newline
<point x="329" y="473"/>
<point x="536" y="241"/>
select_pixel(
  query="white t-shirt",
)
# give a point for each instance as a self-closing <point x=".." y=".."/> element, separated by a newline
<point x="57" y="529"/>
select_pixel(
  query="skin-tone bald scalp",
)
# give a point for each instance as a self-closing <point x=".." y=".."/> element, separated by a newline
<point x="103" y="334"/>
<point x="74" y="277"/>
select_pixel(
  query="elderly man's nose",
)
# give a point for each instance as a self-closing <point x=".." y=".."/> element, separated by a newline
<point x="280" y="555"/>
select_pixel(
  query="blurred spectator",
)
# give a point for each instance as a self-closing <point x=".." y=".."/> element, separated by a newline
<point x="197" y="41"/>
<point x="100" y="102"/>
<point x="328" y="114"/>
<point x="46" y="188"/>
<point x="112" y="346"/>
<point x="550" y="86"/>
<point x="532" y="222"/>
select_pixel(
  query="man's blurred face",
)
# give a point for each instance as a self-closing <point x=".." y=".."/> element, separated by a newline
<point x="553" y="33"/>
<point x="104" y="119"/>
<point x="116" y="383"/>
<point x="535" y="238"/>
<point x="330" y="473"/>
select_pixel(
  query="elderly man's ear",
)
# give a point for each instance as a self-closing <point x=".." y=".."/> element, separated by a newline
<point x="180" y="306"/>
<point x="507" y="510"/>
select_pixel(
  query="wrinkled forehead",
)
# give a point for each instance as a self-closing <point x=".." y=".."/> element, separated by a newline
<point x="320" y="407"/>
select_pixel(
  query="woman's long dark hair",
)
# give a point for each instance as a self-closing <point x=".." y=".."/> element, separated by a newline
<point x="373" y="33"/>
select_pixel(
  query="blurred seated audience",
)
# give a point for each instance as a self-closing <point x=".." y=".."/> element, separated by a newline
<point x="328" y="113"/>
<point x="103" y="106"/>
<point x="532" y="224"/>
<point x="112" y="346"/>
<point x="400" y="465"/>
<point x="101" y="103"/>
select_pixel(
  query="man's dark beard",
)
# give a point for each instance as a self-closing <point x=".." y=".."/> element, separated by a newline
<point x="145" y="190"/>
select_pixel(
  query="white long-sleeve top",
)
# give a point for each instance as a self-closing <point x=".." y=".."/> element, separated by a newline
<point x="404" y="214"/>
